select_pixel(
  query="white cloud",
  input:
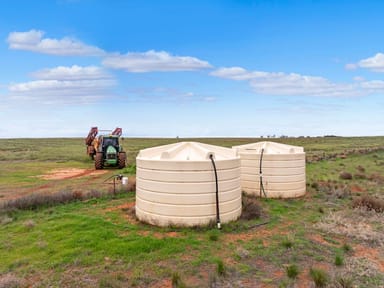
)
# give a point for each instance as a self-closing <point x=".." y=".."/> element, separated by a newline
<point x="33" y="41"/>
<point x="278" y="83"/>
<point x="64" y="85"/>
<point x="154" y="61"/>
<point x="375" y="63"/>
<point x="74" y="72"/>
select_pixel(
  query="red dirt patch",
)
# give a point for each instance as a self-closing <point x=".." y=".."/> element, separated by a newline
<point x="59" y="174"/>
<point x="165" y="283"/>
<point x="357" y="189"/>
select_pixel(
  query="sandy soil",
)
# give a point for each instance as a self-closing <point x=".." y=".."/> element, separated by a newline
<point x="59" y="174"/>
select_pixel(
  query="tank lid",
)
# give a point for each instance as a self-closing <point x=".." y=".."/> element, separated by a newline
<point x="187" y="151"/>
<point x="269" y="148"/>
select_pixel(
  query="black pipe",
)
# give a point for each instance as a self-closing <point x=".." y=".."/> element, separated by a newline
<point x="217" y="194"/>
<point x="261" y="175"/>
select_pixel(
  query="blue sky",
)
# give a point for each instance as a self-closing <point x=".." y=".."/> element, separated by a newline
<point x="191" y="68"/>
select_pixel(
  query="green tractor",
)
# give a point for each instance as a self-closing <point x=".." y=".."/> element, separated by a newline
<point x="106" y="149"/>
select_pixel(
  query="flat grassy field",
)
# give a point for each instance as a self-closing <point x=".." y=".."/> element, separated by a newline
<point x="332" y="237"/>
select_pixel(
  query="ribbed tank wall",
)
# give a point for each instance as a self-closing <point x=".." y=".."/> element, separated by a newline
<point x="183" y="193"/>
<point x="283" y="174"/>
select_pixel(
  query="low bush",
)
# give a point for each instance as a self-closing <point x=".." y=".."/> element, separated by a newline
<point x="37" y="200"/>
<point x="251" y="208"/>
<point x="369" y="203"/>
<point x="345" y="176"/>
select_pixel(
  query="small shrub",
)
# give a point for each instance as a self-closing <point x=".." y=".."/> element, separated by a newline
<point x="345" y="176"/>
<point x="292" y="271"/>
<point x="220" y="268"/>
<point x="251" y="208"/>
<point x="369" y="203"/>
<point x="319" y="276"/>
<point x="321" y="210"/>
<point x="339" y="260"/>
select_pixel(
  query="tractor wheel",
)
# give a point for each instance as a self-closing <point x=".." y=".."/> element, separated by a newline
<point x="99" y="161"/>
<point x="122" y="158"/>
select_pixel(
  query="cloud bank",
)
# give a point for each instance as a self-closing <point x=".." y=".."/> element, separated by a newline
<point x="64" y="85"/>
<point x="33" y="40"/>
<point x="278" y="83"/>
<point x="153" y="61"/>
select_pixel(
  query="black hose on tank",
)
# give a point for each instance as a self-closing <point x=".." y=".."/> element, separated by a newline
<point x="217" y="194"/>
<point x="261" y="175"/>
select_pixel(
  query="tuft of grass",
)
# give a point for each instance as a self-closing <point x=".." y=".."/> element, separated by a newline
<point x="319" y="277"/>
<point x="213" y="236"/>
<point x="292" y="271"/>
<point x="177" y="282"/>
<point x="130" y="170"/>
<point x="220" y="267"/>
<point x="288" y="242"/>
<point x="339" y="260"/>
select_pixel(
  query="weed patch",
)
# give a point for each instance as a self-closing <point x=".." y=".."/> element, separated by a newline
<point x="359" y="223"/>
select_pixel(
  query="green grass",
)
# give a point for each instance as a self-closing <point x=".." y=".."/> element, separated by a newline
<point x="71" y="234"/>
